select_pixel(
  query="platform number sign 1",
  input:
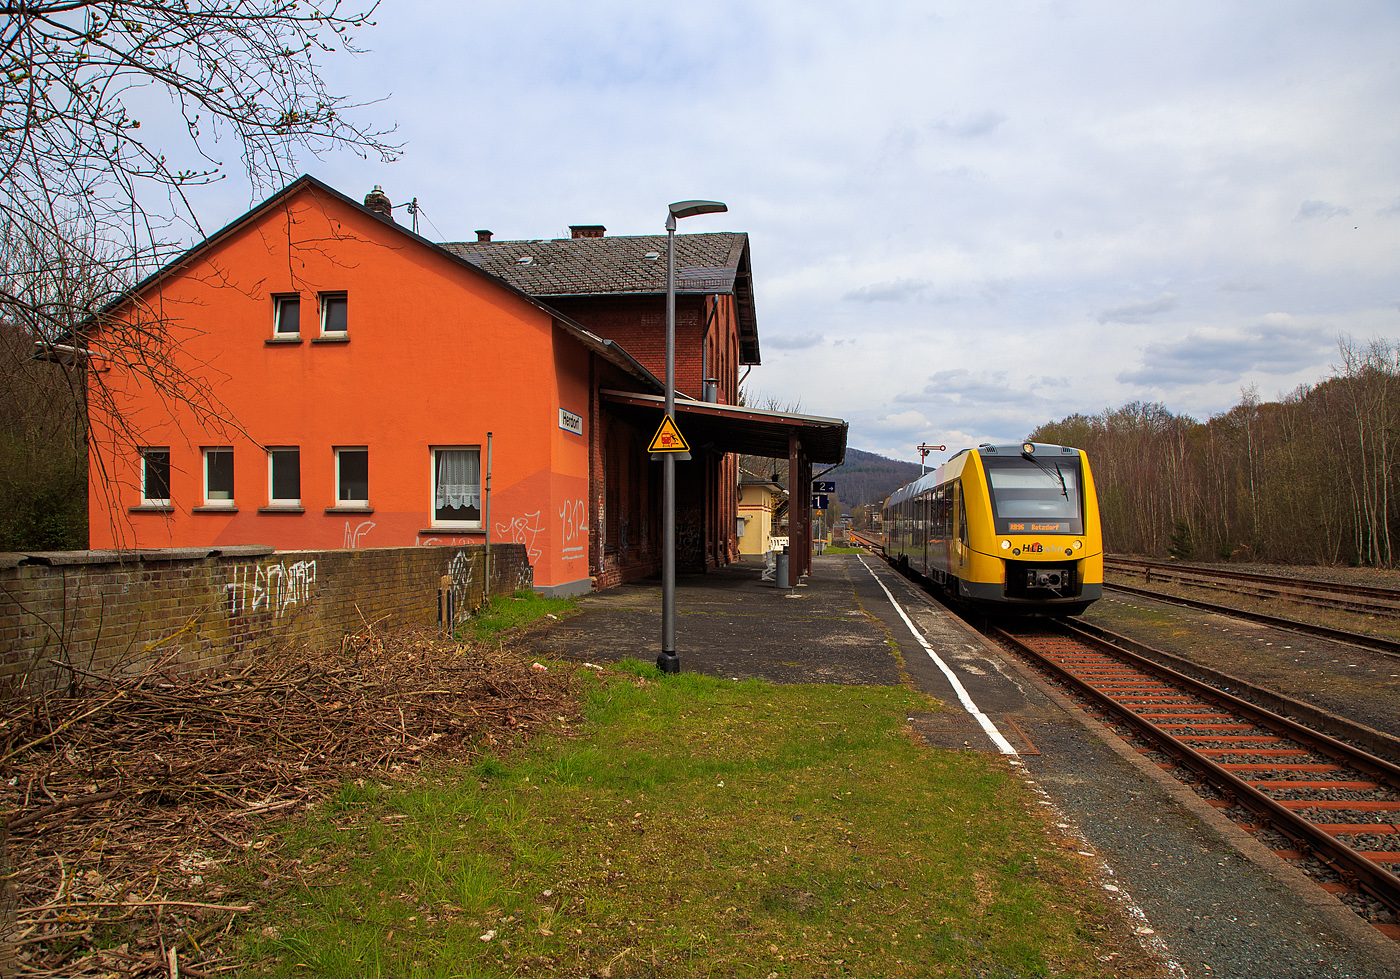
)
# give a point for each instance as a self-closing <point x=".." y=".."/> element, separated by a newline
<point x="819" y="501"/>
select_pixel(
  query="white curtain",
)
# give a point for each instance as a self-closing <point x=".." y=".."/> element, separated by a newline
<point x="458" y="478"/>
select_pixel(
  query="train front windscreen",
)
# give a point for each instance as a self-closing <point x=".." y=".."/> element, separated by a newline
<point x="1035" y="496"/>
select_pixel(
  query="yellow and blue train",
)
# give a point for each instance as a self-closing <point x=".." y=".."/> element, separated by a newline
<point x="1006" y="529"/>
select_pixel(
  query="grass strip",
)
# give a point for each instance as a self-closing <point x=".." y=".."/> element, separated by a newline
<point x="506" y="612"/>
<point x="699" y="827"/>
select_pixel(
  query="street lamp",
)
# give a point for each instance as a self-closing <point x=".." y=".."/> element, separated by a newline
<point x="667" y="660"/>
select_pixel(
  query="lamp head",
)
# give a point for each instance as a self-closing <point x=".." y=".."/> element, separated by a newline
<point x="685" y="209"/>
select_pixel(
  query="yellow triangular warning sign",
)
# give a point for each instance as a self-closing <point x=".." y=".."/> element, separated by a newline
<point x="668" y="438"/>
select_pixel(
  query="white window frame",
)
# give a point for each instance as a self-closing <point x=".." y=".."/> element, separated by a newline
<point x="336" y="489"/>
<point x="204" y="454"/>
<point x="323" y="303"/>
<point x="146" y="498"/>
<point x="273" y="499"/>
<point x="434" y="522"/>
<point x="277" y="302"/>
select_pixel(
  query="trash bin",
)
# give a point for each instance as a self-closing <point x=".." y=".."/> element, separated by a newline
<point x="781" y="579"/>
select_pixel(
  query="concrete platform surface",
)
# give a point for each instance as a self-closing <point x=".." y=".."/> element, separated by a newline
<point x="730" y="624"/>
<point x="1215" y="902"/>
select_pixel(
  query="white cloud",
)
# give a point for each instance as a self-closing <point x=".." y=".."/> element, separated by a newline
<point x="1320" y="210"/>
<point x="1001" y="220"/>
<point x="798" y="341"/>
<point x="970" y="125"/>
<point x="1275" y="346"/>
<point x="1140" y="312"/>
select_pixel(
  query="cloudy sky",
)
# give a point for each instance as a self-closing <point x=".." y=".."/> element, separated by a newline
<point x="966" y="218"/>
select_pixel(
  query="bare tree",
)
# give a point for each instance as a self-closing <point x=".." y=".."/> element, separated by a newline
<point x="76" y="168"/>
<point x="91" y="202"/>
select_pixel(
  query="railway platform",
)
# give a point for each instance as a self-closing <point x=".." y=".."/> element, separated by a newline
<point x="1211" y="900"/>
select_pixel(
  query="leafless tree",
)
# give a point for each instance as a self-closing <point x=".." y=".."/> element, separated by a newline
<point x="92" y="201"/>
<point x="76" y="170"/>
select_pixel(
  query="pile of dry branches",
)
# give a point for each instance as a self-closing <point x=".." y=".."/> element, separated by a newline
<point x="120" y="801"/>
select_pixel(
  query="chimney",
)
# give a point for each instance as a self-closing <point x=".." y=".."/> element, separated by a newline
<point x="378" y="203"/>
<point x="483" y="237"/>
<point x="587" y="230"/>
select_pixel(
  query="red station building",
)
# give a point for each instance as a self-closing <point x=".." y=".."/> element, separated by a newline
<point x="344" y="382"/>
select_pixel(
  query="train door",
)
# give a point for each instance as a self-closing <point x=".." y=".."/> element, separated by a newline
<point x="963" y="555"/>
<point x="945" y="525"/>
<point x="927" y="525"/>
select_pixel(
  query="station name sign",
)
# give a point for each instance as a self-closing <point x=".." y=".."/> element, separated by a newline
<point x="570" y="422"/>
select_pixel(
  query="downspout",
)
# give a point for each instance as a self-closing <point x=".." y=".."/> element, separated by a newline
<point x="486" y="516"/>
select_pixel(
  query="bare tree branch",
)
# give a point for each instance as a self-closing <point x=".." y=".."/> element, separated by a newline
<point x="90" y="203"/>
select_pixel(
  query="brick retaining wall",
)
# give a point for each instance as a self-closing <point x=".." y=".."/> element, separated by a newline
<point x="109" y="613"/>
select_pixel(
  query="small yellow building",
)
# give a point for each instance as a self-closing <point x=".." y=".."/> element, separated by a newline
<point x="761" y="503"/>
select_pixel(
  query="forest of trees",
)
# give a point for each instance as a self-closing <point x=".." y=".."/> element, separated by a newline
<point x="1311" y="479"/>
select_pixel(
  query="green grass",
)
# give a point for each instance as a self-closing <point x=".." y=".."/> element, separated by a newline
<point x="504" y="613"/>
<point x="837" y="549"/>
<point x="698" y="827"/>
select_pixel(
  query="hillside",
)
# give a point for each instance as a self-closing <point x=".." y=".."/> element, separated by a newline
<point x="868" y="478"/>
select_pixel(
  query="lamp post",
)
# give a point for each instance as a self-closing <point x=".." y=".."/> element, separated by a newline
<point x="667" y="660"/>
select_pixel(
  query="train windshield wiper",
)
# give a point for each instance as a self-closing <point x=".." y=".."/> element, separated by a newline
<point x="1064" y="490"/>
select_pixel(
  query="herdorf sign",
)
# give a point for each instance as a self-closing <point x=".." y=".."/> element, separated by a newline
<point x="570" y="422"/>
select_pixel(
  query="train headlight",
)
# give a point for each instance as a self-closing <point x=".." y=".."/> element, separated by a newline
<point x="1006" y="545"/>
<point x="1078" y="544"/>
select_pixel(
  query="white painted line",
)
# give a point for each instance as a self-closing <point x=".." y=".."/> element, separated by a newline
<point x="986" y="722"/>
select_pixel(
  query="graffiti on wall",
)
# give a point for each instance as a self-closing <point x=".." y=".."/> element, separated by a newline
<point x="573" y="515"/>
<point x="461" y="569"/>
<point x="271" y="588"/>
<point x="522" y="530"/>
<point x="354" y="537"/>
<point x="690" y="539"/>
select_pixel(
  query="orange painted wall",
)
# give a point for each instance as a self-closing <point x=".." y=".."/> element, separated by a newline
<point x="437" y="355"/>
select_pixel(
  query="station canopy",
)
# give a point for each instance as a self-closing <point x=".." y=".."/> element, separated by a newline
<point x="733" y="428"/>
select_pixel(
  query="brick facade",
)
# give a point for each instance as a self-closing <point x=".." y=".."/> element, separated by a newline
<point x="112" y="614"/>
<point x="628" y="547"/>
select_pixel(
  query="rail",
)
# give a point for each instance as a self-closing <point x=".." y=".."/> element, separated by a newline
<point x="1378" y="643"/>
<point x="1325" y="594"/>
<point x="1225" y="740"/>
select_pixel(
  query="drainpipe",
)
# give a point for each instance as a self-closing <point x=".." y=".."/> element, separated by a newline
<point x="486" y="516"/>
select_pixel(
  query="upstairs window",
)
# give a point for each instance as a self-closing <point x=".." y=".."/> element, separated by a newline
<point x="335" y="308"/>
<point x="284" y="477"/>
<point x="286" y="316"/>
<point x="352" y="476"/>
<point x="457" y="488"/>
<point x="155" y="476"/>
<point x="218" y="477"/>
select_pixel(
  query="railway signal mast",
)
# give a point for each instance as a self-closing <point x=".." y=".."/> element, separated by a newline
<point x="924" y="450"/>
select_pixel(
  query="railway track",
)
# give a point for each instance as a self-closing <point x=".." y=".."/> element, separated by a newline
<point x="1323" y="594"/>
<point x="868" y="541"/>
<point x="1378" y="643"/>
<point x="1326" y="806"/>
